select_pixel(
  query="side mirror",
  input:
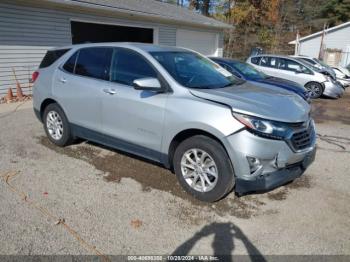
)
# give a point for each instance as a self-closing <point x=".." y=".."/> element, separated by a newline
<point x="148" y="84"/>
<point x="299" y="71"/>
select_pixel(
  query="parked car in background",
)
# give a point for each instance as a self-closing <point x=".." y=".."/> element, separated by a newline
<point x="343" y="70"/>
<point x="249" y="73"/>
<point x="292" y="69"/>
<point x="343" y="75"/>
<point x="321" y="66"/>
<point x="179" y="108"/>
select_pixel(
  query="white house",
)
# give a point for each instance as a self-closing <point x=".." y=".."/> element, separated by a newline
<point x="336" y="44"/>
<point x="28" y="28"/>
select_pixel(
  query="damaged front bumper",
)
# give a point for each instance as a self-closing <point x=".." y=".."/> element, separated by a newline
<point x="262" y="164"/>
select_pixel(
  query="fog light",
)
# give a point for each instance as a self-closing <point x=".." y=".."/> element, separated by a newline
<point x="254" y="165"/>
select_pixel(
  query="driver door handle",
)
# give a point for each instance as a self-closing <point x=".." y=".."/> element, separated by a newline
<point x="110" y="91"/>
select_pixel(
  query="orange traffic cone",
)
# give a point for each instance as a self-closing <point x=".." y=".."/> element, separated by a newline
<point x="9" y="97"/>
<point x="19" y="92"/>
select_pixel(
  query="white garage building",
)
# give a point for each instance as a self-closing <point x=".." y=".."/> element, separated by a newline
<point x="336" y="45"/>
<point x="29" y="28"/>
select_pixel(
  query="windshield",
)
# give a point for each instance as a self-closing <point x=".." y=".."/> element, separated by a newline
<point x="194" y="71"/>
<point x="248" y="71"/>
<point x="322" y="63"/>
<point x="310" y="66"/>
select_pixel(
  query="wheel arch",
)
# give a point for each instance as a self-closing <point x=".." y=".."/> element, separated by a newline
<point x="44" y="104"/>
<point x="183" y="135"/>
<point x="310" y="82"/>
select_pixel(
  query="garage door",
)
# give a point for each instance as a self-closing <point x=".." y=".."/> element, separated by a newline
<point x="202" y="42"/>
<point x="96" y="33"/>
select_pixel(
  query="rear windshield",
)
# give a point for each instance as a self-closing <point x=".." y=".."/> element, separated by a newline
<point x="51" y="57"/>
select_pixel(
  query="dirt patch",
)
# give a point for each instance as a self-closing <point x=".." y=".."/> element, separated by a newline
<point x="241" y="207"/>
<point x="324" y="110"/>
<point x="282" y="193"/>
<point x="116" y="165"/>
<point x="279" y="195"/>
<point x="300" y="183"/>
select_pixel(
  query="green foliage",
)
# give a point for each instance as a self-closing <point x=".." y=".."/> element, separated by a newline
<point x="336" y="11"/>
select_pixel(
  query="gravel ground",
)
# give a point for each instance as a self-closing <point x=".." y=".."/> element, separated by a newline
<point x="113" y="203"/>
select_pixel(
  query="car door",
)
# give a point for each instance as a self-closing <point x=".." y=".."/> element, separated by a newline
<point x="269" y="65"/>
<point x="134" y="118"/>
<point x="293" y="71"/>
<point x="78" y="84"/>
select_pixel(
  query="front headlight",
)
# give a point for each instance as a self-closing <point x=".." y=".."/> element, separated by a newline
<point x="267" y="128"/>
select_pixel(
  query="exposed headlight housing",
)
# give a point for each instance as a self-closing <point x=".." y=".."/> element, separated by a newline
<point x="263" y="127"/>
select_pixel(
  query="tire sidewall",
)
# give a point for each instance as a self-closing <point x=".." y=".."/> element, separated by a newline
<point x="226" y="179"/>
<point x="66" y="137"/>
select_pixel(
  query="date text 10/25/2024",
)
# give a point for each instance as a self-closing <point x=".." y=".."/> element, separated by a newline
<point x="173" y="258"/>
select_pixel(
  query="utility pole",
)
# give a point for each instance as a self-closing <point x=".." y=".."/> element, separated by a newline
<point x="321" y="52"/>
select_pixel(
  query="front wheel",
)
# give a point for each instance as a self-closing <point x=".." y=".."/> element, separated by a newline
<point x="203" y="168"/>
<point x="314" y="89"/>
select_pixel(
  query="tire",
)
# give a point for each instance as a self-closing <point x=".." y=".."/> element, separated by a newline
<point x="54" y="119"/>
<point x="314" y="89"/>
<point x="215" y="159"/>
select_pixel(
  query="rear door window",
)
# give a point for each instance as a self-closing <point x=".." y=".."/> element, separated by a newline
<point x="51" y="57"/>
<point x="268" y="61"/>
<point x="290" y="65"/>
<point x="128" y="65"/>
<point x="94" y="62"/>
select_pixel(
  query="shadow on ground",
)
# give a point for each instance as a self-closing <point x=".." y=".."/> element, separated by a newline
<point x="223" y="245"/>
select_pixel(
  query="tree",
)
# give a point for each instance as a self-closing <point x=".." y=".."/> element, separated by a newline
<point x="202" y="6"/>
<point x="337" y="11"/>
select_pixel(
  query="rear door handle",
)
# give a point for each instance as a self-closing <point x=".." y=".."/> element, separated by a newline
<point x="63" y="80"/>
<point x="110" y="91"/>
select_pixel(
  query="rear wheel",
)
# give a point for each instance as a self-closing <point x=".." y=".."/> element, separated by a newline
<point x="314" y="89"/>
<point x="203" y="168"/>
<point x="56" y="125"/>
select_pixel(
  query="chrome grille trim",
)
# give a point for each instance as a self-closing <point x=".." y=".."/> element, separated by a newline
<point x="302" y="138"/>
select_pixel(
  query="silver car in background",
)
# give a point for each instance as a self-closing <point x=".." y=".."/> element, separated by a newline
<point x="178" y="108"/>
<point x="294" y="70"/>
<point x="343" y="75"/>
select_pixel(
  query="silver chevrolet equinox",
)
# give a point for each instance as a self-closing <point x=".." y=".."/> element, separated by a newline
<point x="176" y="107"/>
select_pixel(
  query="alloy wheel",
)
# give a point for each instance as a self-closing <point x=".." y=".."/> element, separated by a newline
<point x="314" y="90"/>
<point x="199" y="170"/>
<point x="54" y="125"/>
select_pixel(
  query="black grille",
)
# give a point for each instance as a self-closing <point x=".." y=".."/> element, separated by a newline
<point x="303" y="139"/>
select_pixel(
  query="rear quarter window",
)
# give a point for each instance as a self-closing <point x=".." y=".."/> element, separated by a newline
<point x="69" y="66"/>
<point x="51" y="57"/>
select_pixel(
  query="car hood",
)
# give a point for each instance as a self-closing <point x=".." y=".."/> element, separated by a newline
<point x="269" y="103"/>
<point x="283" y="83"/>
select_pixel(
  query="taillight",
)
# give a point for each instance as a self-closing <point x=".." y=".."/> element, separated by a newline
<point x="35" y="75"/>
